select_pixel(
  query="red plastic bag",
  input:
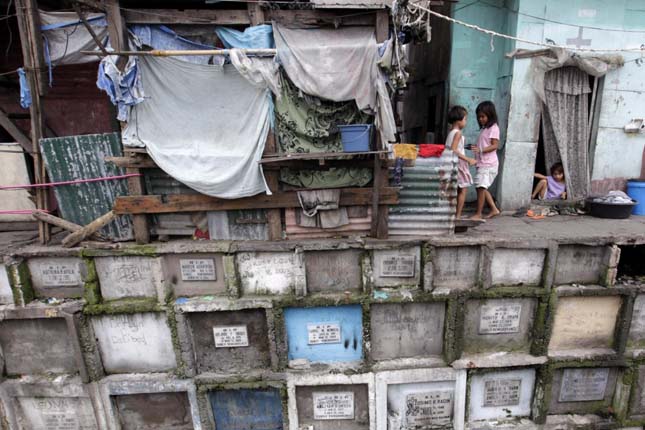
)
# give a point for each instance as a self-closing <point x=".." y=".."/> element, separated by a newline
<point x="427" y="150"/>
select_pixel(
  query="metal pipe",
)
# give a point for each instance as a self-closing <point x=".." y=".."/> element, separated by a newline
<point x="173" y="53"/>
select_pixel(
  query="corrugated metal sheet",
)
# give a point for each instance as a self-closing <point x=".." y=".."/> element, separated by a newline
<point x="356" y="227"/>
<point x="83" y="157"/>
<point x="428" y="198"/>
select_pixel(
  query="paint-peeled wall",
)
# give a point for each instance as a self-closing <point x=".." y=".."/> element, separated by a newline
<point x="595" y="24"/>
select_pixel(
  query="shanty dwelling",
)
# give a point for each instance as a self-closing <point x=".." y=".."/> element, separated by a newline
<point x="240" y="216"/>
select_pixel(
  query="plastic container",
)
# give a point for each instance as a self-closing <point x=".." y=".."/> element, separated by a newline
<point x="610" y="210"/>
<point x="636" y="190"/>
<point x="356" y="138"/>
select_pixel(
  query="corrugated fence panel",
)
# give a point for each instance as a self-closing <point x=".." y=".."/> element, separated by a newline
<point x="83" y="157"/>
<point x="428" y="198"/>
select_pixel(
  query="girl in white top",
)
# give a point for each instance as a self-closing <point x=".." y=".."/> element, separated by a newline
<point x="457" y="116"/>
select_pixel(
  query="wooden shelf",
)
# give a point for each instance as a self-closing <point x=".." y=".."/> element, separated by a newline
<point x="319" y="156"/>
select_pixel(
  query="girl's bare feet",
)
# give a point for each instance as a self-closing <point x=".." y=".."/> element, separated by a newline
<point x="476" y="218"/>
<point x="493" y="214"/>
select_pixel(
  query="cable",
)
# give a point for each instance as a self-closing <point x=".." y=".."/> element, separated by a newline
<point x="9" y="73"/>
<point x="530" y="42"/>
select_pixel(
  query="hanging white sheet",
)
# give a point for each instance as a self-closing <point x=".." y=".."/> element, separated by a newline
<point x="204" y="125"/>
<point x="338" y="64"/>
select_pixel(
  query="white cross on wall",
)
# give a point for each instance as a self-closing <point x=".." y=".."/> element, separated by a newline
<point x="579" y="41"/>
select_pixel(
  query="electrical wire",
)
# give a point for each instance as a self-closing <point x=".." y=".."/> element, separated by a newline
<point x="530" y="42"/>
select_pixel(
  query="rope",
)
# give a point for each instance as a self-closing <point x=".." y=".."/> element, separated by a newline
<point x="518" y="39"/>
<point x="77" y="181"/>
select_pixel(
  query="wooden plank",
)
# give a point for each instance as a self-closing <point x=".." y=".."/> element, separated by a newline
<point x="382" y="25"/>
<point x="376" y="195"/>
<point x="117" y="30"/>
<point x="89" y="29"/>
<point x="274" y="216"/>
<point x="15" y="132"/>
<point x="96" y="5"/>
<point x="64" y="224"/>
<point x="153" y="204"/>
<point x="318" y="156"/>
<point x="85" y="232"/>
<point x="256" y="14"/>
<point x="26" y="27"/>
<point x="139" y="222"/>
<point x="144" y="162"/>
<point x="241" y="17"/>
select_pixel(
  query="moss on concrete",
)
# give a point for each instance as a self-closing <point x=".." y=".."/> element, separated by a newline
<point x="20" y="282"/>
<point x="171" y="320"/>
<point x="124" y="306"/>
<point x="91" y="289"/>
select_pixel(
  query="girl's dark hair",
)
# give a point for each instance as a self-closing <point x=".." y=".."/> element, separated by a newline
<point x="456" y="113"/>
<point x="557" y="167"/>
<point x="488" y="109"/>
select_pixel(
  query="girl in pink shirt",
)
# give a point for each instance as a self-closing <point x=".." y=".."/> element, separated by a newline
<point x="486" y="156"/>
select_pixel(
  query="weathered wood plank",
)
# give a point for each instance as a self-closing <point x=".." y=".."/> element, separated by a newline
<point x="133" y="162"/>
<point x="85" y="232"/>
<point x="152" y="204"/>
<point x="15" y="132"/>
<point x="274" y="216"/>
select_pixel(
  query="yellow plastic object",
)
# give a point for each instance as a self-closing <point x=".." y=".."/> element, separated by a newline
<point x="407" y="151"/>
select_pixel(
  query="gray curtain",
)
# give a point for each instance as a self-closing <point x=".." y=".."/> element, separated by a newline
<point x="565" y="122"/>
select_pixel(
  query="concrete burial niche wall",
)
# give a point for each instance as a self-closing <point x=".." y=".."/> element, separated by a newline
<point x="498" y="324"/>
<point x="325" y="334"/>
<point x="455" y="267"/>
<point x="397" y="267"/>
<point x="6" y="296"/>
<point x="636" y="339"/>
<point x="637" y="404"/>
<point x="154" y="411"/>
<point x="195" y="274"/>
<point x="41" y="345"/>
<point x="401" y="330"/>
<point x="135" y="342"/>
<point x="337" y="271"/>
<point x="333" y="407"/>
<point x="580" y="264"/>
<point x="263" y="273"/>
<point x="517" y="266"/>
<point x="60" y="277"/>
<point x="258" y="409"/>
<point x="230" y="341"/>
<point x="501" y="395"/>
<point x="122" y="277"/>
<point x="584" y="323"/>
<point x="582" y="390"/>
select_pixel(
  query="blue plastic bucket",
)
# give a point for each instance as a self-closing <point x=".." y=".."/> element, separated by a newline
<point x="355" y="138"/>
<point x="636" y="190"/>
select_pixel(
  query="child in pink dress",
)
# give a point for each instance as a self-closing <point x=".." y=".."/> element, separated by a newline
<point x="486" y="155"/>
<point x="457" y="116"/>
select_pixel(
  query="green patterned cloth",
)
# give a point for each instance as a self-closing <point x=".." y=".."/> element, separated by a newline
<point x="308" y="124"/>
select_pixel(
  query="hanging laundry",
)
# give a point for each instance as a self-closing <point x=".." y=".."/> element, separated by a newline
<point x="339" y="65"/>
<point x="25" y="91"/>
<point x="321" y="205"/>
<point x="256" y="37"/>
<point x="205" y="126"/>
<point x="124" y="88"/>
<point x="308" y="124"/>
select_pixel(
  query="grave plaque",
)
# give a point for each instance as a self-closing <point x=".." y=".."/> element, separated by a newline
<point x="333" y="406"/>
<point x="500" y="319"/>
<point x="271" y="273"/>
<point x="398" y="266"/>
<point x="55" y="413"/>
<point x="583" y="385"/>
<point x="433" y="408"/>
<point x="230" y="336"/>
<point x="502" y="392"/>
<point x="198" y="270"/>
<point x="323" y="333"/>
<point x="59" y="275"/>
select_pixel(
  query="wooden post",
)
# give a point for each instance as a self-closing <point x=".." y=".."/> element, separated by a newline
<point x="118" y="34"/>
<point x="256" y="14"/>
<point x="382" y="25"/>
<point x="274" y="216"/>
<point x="85" y="232"/>
<point x="31" y="43"/>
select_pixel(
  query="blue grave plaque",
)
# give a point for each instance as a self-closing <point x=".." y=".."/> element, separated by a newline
<point x="246" y="409"/>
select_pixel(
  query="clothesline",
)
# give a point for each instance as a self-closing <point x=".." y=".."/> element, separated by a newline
<point x="518" y="39"/>
<point x="76" y="181"/>
<point x="172" y="53"/>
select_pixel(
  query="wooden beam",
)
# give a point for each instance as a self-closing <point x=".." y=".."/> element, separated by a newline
<point x="15" y="132"/>
<point x="256" y="14"/>
<point x="132" y="162"/>
<point x="31" y="43"/>
<point x="199" y="202"/>
<point x="64" y="224"/>
<point x="274" y="216"/>
<point x="96" y="5"/>
<point x="139" y="222"/>
<point x="85" y="232"/>
<point x="117" y="30"/>
<point x="241" y="17"/>
<point x="382" y="25"/>
<point x="90" y="30"/>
